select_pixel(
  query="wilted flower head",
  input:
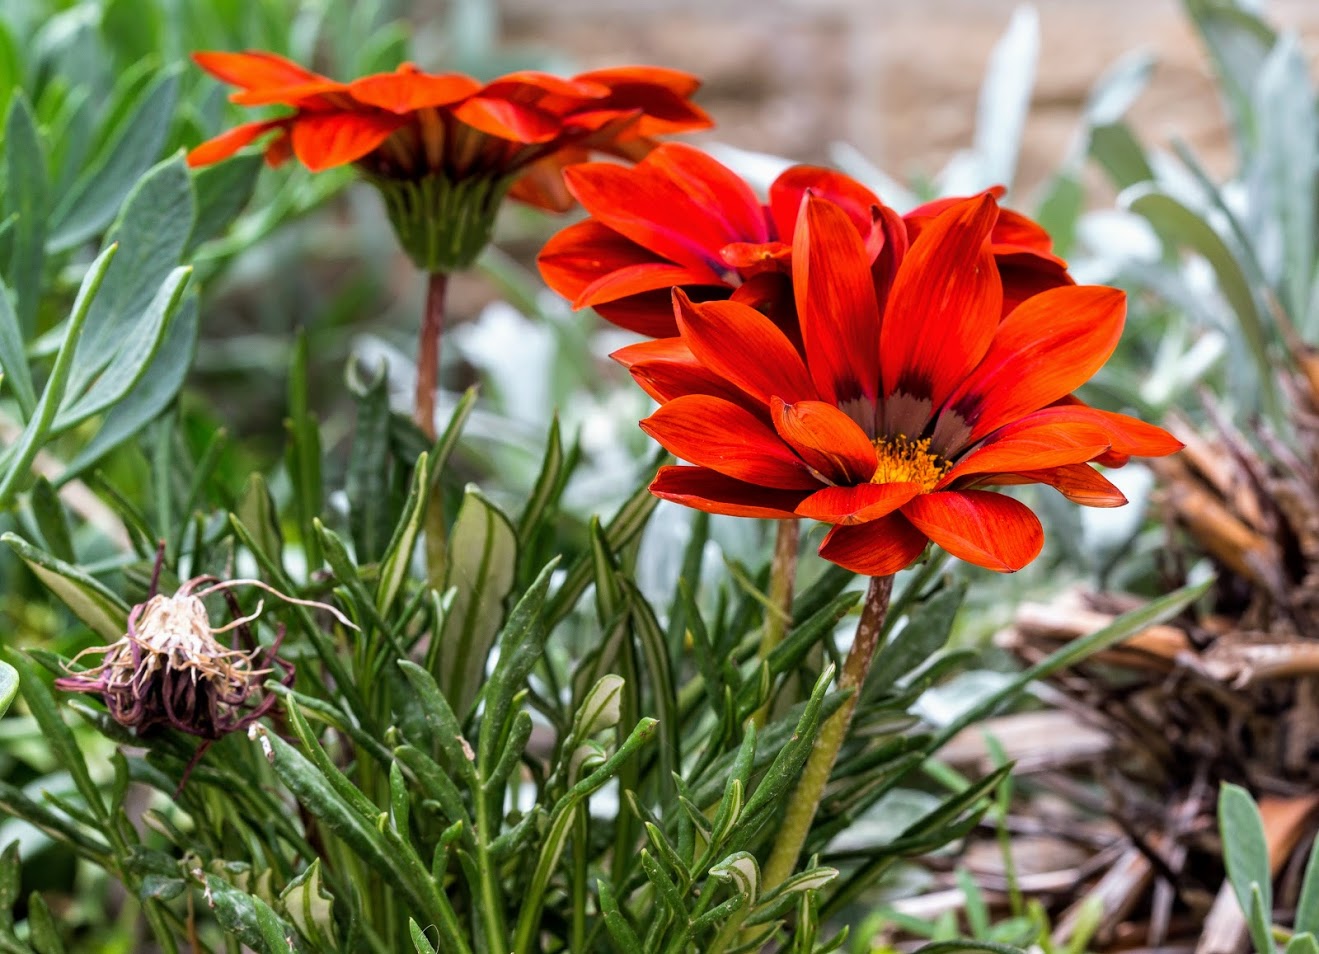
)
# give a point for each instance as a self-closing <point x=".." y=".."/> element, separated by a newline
<point x="443" y="148"/>
<point x="170" y="669"/>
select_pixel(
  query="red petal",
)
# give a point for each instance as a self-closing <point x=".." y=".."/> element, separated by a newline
<point x="1035" y="448"/>
<point x="1081" y="484"/>
<point x="325" y="140"/>
<point x="635" y="279"/>
<point x="836" y="303"/>
<point x="886" y="245"/>
<point x="666" y="369"/>
<point x="226" y="144"/>
<point x="980" y="527"/>
<point x="878" y="548"/>
<point x="728" y="439"/>
<point x="862" y="503"/>
<point x="1013" y="228"/>
<point x="945" y="304"/>
<point x="1047" y="348"/>
<point x="714" y="493"/>
<point x="675" y="81"/>
<point x="408" y="89"/>
<point x="744" y="347"/>
<point x="1026" y="274"/>
<point x="507" y="119"/>
<point x="827" y="439"/>
<point x="1126" y="435"/>
<point x="751" y="258"/>
<point x="254" y="69"/>
<point x="299" y="94"/>
<point x="676" y="202"/>
<point x="788" y="190"/>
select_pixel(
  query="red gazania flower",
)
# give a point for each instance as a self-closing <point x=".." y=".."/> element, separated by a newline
<point x="445" y="146"/>
<point x="680" y="218"/>
<point x="897" y="411"/>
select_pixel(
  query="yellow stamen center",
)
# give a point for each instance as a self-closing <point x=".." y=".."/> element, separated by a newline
<point x="900" y="460"/>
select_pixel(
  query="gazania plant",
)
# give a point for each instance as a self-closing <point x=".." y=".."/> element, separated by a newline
<point x="666" y="675"/>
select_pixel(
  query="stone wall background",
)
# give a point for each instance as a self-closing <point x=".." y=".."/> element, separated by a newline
<point x="898" y="78"/>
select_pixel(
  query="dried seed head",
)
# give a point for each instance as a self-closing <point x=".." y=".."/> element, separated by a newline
<point x="170" y="669"/>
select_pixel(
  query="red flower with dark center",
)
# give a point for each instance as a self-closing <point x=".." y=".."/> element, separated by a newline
<point x="680" y="218"/>
<point x="468" y="142"/>
<point x="898" y="408"/>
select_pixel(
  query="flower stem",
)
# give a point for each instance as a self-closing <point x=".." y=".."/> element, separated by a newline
<point x="810" y="788"/>
<point x="782" y="579"/>
<point x="428" y="382"/>
<point x="428" y="353"/>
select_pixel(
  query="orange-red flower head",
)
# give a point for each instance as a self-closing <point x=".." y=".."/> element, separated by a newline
<point x="680" y="218"/>
<point x="907" y="395"/>
<point x="446" y="147"/>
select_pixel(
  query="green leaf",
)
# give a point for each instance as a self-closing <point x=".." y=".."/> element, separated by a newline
<point x="1239" y="42"/>
<point x="1258" y="918"/>
<point x="419" y="941"/>
<point x="51" y="520"/>
<point x="1284" y="107"/>
<point x="1302" y="944"/>
<point x="967" y="946"/>
<point x="8" y="689"/>
<point x="151" y="230"/>
<point x="311" y="907"/>
<point x="223" y="191"/>
<point x="256" y="509"/>
<point x="131" y="361"/>
<point x="10" y="875"/>
<point x="133" y="29"/>
<point x="102" y="610"/>
<point x="1005" y="97"/>
<point x="368" y="483"/>
<point x="13" y="357"/>
<point x="43" y="417"/>
<point x="481" y="565"/>
<point x="927" y="630"/>
<point x="616" y="922"/>
<point x="156" y="389"/>
<point x="57" y="734"/>
<point x="302" y="457"/>
<point x="1115" y="147"/>
<point x="26" y="189"/>
<point x="398" y="555"/>
<point x="1307" y="904"/>
<point x="240" y="914"/>
<point x="1245" y="849"/>
<point x="42" y="930"/>
<point x="125" y="155"/>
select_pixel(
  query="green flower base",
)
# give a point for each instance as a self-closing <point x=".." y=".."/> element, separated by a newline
<point x="442" y="225"/>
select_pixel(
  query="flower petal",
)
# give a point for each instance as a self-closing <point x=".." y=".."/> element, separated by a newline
<point x="835" y="303"/>
<point x="408" y="89"/>
<point x="978" y="526"/>
<point x="1126" y="435"/>
<point x="1034" y="448"/>
<point x="714" y="493"/>
<point x="665" y="210"/>
<point x="324" y="140"/>
<point x="666" y="369"/>
<point x="787" y="191"/>
<point x="1047" y="348"/>
<point x="862" y="503"/>
<point x="878" y="548"/>
<point x="744" y="347"/>
<point x="636" y="279"/>
<point x="254" y="69"/>
<point x="944" y="306"/>
<point x="226" y="144"/>
<point x="1079" y="483"/>
<point x="827" y="439"/>
<point x="508" y="119"/>
<point x="728" y="439"/>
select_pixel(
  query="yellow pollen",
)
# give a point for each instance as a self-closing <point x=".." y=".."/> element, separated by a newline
<point x="900" y="460"/>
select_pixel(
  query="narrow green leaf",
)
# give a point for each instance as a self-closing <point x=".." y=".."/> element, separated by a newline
<point x="481" y="566"/>
<point x="1307" y="905"/>
<point x="398" y="555"/>
<point x="223" y="191"/>
<point x="1258" y="917"/>
<point x="311" y="907"/>
<point x="151" y="231"/>
<point x="13" y="357"/>
<point x="52" y="521"/>
<point x="57" y="734"/>
<point x="1302" y="944"/>
<point x="126" y="154"/>
<point x="102" y="610"/>
<point x="42" y="930"/>
<point x="26" y="188"/>
<point x="303" y="455"/>
<point x="616" y="922"/>
<point x="10" y="874"/>
<point x="1115" y="147"/>
<point x="419" y="941"/>
<point x="1245" y="849"/>
<point x="43" y="417"/>
<point x="155" y="390"/>
<point x="368" y="483"/>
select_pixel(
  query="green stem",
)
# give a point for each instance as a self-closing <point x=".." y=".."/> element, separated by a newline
<point x="815" y="777"/>
<point x="492" y="904"/>
<point x="782" y="579"/>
